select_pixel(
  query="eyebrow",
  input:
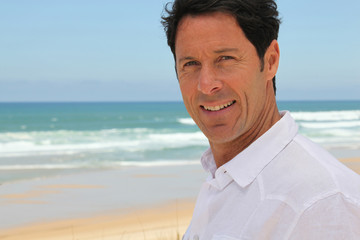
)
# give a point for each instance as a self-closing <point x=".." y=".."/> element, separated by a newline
<point x="223" y="50"/>
<point x="186" y="58"/>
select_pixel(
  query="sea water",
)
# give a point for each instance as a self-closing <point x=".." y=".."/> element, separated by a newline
<point x="46" y="139"/>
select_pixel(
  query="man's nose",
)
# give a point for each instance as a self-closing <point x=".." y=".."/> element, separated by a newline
<point x="208" y="83"/>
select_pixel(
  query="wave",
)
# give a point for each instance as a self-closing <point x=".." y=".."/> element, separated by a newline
<point x="72" y="142"/>
<point x="342" y="127"/>
<point x="160" y="163"/>
<point x="333" y="136"/>
<point x="327" y="115"/>
<point x="337" y="144"/>
<point x="330" y="125"/>
<point x="309" y="116"/>
<point x="186" y="121"/>
<point x="97" y="165"/>
<point x="39" y="167"/>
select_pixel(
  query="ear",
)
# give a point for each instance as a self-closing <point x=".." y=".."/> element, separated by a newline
<point x="272" y="58"/>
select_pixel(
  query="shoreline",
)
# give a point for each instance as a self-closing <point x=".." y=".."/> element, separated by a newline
<point x="98" y="205"/>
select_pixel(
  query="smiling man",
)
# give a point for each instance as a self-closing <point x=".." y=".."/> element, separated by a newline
<point x="266" y="181"/>
<point x="226" y="88"/>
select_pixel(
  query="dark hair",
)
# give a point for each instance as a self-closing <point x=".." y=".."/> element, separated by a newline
<point x="257" y="18"/>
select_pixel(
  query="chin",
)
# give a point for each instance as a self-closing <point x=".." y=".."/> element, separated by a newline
<point x="219" y="138"/>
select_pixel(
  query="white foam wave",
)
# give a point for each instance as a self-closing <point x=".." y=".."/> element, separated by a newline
<point x="334" y="144"/>
<point x="180" y="139"/>
<point x="160" y="163"/>
<point x="106" y="164"/>
<point x="40" y="167"/>
<point x="327" y="115"/>
<point x="73" y="142"/>
<point x="17" y="149"/>
<point x="341" y="136"/>
<point x="325" y="125"/>
<point x="186" y="121"/>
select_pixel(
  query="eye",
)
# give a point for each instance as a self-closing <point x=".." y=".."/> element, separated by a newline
<point x="226" y="58"/>
<point x="191" y="63"/>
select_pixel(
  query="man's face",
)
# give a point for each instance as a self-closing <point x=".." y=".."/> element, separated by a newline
<point x="220" y="77"/>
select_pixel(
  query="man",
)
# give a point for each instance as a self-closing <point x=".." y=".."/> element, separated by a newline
<point x="267" y="181"/>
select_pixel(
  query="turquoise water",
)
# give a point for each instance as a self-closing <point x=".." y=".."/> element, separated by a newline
<point x="17" y="117"/>
<point x="44" y="139"/>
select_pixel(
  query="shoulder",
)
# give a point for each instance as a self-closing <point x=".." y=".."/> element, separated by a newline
<point x="322" y="193"/>
<point x="344" y="179"/>
<point x="334" y="217"/>
<point x="304" y="173"/>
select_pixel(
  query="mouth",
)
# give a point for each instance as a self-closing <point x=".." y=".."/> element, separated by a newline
<point x="219" y="107"/>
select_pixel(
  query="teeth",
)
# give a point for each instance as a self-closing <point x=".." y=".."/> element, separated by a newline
<point x="217" y="108"/>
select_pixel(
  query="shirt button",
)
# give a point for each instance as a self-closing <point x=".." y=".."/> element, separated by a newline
<point x="196" y="237"/>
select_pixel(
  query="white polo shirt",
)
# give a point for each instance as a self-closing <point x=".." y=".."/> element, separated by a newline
<point x="283" y="186"/>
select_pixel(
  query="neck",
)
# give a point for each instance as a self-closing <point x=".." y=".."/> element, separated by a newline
<point x="224" y="152"/>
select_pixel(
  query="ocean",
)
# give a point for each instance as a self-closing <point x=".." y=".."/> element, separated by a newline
<point x="49" y="139"/>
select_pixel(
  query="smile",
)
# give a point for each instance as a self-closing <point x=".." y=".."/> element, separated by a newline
<point x="218" y="108"/>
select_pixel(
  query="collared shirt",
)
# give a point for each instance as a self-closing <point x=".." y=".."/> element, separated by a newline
<point x="283" y="186"/>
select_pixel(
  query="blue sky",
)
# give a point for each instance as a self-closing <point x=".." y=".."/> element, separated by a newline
<point x="87" y="50"/>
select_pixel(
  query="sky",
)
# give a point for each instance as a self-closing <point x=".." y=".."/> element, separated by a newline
<point x="113" y="50"/>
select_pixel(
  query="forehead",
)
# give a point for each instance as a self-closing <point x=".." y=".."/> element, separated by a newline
<point x="190" y="19"/>
<point x="208" y="30"/>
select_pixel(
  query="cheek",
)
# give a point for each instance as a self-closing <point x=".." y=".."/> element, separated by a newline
<point x="248" y="83"/>
<point x="188" y="94"/>
<point x="184" y="92"/>
<point x="187" y="88"/>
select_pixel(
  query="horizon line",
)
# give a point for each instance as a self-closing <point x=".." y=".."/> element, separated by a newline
<point x="170" y="101"/>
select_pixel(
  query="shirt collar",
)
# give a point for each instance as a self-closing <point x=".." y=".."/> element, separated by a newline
<point x="208" y="162"/>
<point x="249" y="163"/>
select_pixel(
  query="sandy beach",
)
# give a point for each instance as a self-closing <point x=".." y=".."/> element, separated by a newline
<point x="159" y="222"/>
<point x="139" y="203"/>
<point x="132" y="203"/>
